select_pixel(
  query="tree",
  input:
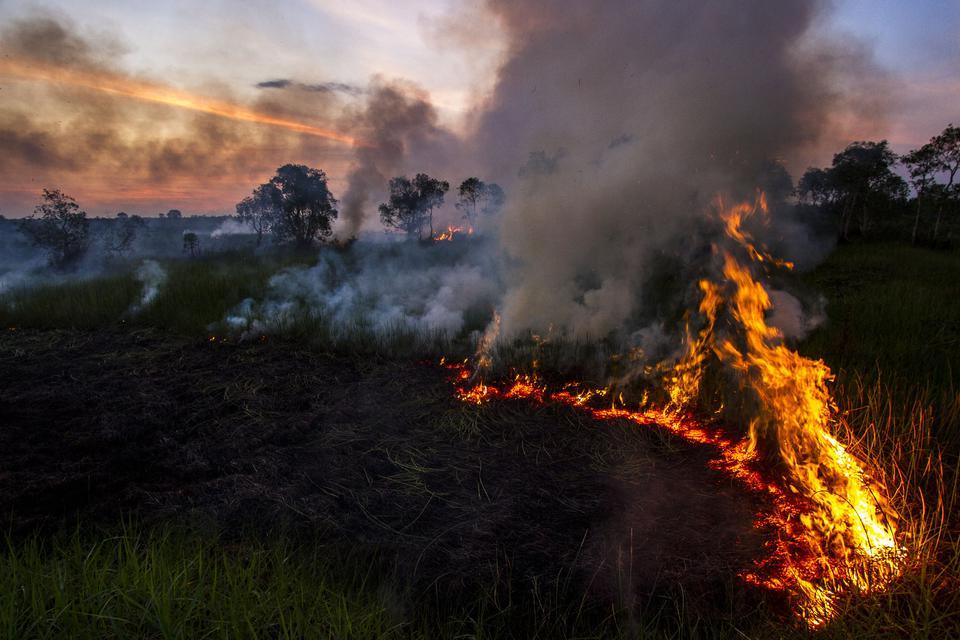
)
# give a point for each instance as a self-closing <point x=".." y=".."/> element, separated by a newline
<point x="261" y="210"/>
<point x="411" y="203"/>
<point x="122" y="215"/>
<point x="402" y="209"/>
<point x="430" y="191"/>
<point x="863" y="173"/>
<point x="301" y="206"/>
<point x="174" y="214"/>
<point x="476" y="198"/>
<point x="817" y="187"/>
<point x="922" y="164"/>
<point x="123" y="232"/>
<point x="947" y="146"/>
<point x="191" y="243"/>
<point x="61" y="229"/>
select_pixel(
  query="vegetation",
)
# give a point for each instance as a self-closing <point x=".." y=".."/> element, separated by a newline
<point x="411" y="203"/>
<point x="891" y="339"/>
<point x="62" y="229"/>
<point x="477" y="199"/>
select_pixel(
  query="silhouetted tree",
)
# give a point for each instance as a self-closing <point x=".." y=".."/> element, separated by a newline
<point x="922" y="165"/>
<point x="775" y="181"/>
<point x="122" y="215"/>
<point x="174" y="214"/>
<point x="191" y="243"/>
<point x="947" y="145"/>
<point x="477" y="198"/>
<point x="863" y="171"/>
<point x="402" y="210"/>
<point x="817" y="187"/>
<point x="302" y="205"/>
<point x="123" y="233"/>
<point x="261" y="210"/>
<point x="61" y="229"/>
<point x="430" y="192"/>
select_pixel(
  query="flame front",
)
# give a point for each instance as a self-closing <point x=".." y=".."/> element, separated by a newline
<point x="828" y="524"/>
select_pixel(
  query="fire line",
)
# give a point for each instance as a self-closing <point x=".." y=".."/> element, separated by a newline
<point x="827" y="524"/>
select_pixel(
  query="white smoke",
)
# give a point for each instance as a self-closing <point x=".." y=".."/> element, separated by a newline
<point x="377" y="288"/>
<point x="151" y="277"/>
<point x="232" y="227"/>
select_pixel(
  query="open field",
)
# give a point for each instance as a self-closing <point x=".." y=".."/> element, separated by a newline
<point x="156" y="483"/>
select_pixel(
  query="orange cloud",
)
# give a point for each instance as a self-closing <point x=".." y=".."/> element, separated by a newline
<point x="150" y="92"/>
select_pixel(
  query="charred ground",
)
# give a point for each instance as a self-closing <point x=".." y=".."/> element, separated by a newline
<point x="268" y="437"/>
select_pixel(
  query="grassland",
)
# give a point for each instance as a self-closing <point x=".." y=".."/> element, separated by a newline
<point x="892" y="338"/>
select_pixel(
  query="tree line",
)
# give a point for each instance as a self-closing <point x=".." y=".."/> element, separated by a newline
<point x="296" y="205"/>
<point x="861" y="190"/>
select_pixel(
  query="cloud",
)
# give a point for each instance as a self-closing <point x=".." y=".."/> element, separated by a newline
<point x="321" y="87"/>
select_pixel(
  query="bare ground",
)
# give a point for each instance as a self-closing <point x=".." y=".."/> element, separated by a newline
<point x="372" y="453"/>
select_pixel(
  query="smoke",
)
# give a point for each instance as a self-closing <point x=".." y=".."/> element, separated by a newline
<point x="232" y="227"/>
<point x="151" y="277"/>
<point x="399" y="126"/>
<point x="379" y="288"/>
<point x="613" y="125"/>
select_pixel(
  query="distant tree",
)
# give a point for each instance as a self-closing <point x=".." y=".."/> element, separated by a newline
<point x="123" y="232"/>
<point x="922" y="165"/>
<point x="860" y="180"/>
<point x="61" y="229"/>
<point x="947" y="145"/>
<point x="469" y="195"/>
<point x="431" y="192"/>
<point x="817" y="187"/>
<point x="261" y="210"/>
<point x="775" y="181"/>
<point x="122" y="215"/>
<point x="402" y="209"/>
<point x="299" y="204"/>
<point x="191" y="243"/>
<point x="477" y="198"/>
<point x="410" y="203"/>
<point x="174" y="214"/>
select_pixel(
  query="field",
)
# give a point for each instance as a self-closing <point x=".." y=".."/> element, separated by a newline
<point x="161" y="478"/>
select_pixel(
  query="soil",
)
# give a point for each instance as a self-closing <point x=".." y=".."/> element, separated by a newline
<point x="373" y="453"/>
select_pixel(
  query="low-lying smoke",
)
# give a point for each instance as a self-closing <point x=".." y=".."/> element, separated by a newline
<point x="379" y="288"/>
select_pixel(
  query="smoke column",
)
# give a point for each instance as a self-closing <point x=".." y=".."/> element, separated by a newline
<point x="614" y="124"/>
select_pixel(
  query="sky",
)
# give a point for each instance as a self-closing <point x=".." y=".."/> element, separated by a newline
<point x="142" y="105"/>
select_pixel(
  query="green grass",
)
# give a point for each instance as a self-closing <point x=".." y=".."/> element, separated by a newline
<point x="196" y="293"/>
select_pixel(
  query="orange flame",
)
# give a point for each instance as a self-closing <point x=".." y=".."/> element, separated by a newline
<point x="828" y="523"/>
<point x="451" y="232"/>
<point x="150" y="92"/>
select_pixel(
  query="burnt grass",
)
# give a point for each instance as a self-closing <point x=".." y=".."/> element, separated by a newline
<point x="272" y="438"/>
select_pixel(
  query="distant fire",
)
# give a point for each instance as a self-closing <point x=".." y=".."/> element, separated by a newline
<point x="828" y="524"/>
<point x="451" y="232"/>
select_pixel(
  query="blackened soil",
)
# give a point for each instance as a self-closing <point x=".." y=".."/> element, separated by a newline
<point x="373" y="453"/>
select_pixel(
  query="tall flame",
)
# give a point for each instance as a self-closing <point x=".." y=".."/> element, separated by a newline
<point x="829" y="525"/>
<point x="151" y="92"/>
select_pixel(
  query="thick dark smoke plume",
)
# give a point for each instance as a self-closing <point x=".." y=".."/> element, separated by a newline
<point x="614" y="124"/>
<point x="399" y="126"/>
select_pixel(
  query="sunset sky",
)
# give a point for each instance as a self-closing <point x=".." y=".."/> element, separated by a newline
<point x="144" y="105"/>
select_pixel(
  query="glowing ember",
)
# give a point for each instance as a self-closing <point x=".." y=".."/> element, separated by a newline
<point x="827" y="523"/>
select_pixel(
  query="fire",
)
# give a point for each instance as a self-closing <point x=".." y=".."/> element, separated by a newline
<point x="152" y="92"/>
<point x="451" y="232"/>
<point x="828" y="524"/>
